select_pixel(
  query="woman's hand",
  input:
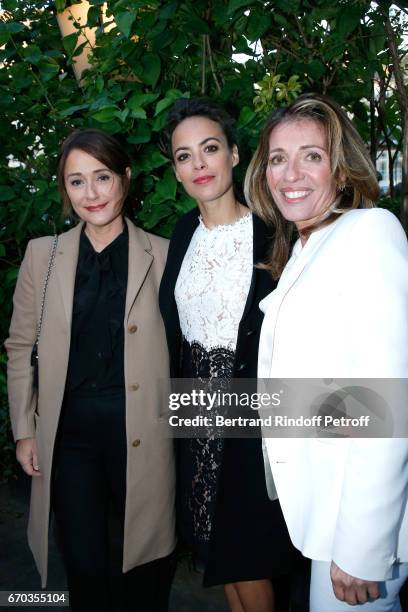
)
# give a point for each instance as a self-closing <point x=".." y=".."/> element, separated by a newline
<point x="26" y="453"/>
<point x="350" y="589"/>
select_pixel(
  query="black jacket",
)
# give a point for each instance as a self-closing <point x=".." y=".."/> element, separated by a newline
<point x="250" y="326"/>
<point x="249" y="539"/>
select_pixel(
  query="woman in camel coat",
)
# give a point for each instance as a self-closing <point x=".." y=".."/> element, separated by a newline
<point x="39" y="418"/>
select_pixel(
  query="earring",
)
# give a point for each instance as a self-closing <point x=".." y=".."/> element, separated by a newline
<point x="342" y="187"/>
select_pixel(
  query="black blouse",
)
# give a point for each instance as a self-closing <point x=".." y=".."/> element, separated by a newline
<point x="96" y="359"/>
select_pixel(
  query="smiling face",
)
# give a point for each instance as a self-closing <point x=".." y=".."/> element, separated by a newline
<point x="203" y="161"/>
<point x="96" y="192"/>
<point x="299" y="175"/>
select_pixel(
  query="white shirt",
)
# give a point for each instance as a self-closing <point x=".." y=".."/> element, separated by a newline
<point x="213" y="284"/>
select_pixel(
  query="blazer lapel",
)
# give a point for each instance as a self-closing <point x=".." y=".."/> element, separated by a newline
<point x="301" y="257"/>
<point x="183" y="245"/>
<point x="140" y="260"/>
<point x="65" y="266"/>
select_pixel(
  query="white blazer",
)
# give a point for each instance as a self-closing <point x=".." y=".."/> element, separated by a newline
<point x="340" y="310"/>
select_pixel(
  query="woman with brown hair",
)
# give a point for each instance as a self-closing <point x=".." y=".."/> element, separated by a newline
<point x="88" y="435"/>
<point x="339" y="311"/>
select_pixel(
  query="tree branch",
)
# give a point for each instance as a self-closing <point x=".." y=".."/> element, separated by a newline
<point x="203" y="67"/>
<point x="217" y="84"/>
<point x="308" y="44"/>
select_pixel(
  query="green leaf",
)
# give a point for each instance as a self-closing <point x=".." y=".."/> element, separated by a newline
<point x="280" y="20"/>
<point x="79" y="49"/>
<point x="93" y="17"/>
<point x="124" y="21"/>
<point x="60" y="5"/>
<point x="315" y="69"/>
<point x="234" y="5"/>
<point x="168" y="10"/>
<point x="6" y="193"/>
<point x="48" y="69"/>
<point x="67" y="112"/>
<point x="151" y="68"/>
<point x="245" y="116"/>
<point x="197" y="26"/>
<point x="9" y="5"/>
<point x="2" y="250"/>
<point x="5" y="34"/>
<point x="171" y="96"/>
<point x="122" y="115"/>
<point x="21" y="76"/>
<point x="14" y="27"/>
<point x="11" y="275"/>
<point x="138" y="100"/>
<point x="166" y="188"/>
<point x="32" y="54"/>
<point x="156" y="30"/>
<point x="258" y="23"/>
<point x="348" y="20"/>
<point x="162" y="105"/>
<point x="184" y="205"/>
<point x="141" y="134"/>
<point x="69" y="42"/>
<point x="7" y="29"/>
<point x="163" y="40"/>
<point x="153" y="159"/>
<point x="41" y="185"/>
<point x="138" y="112"/>
<point x="159" y="123"/>
<point x="100" y="84"/>
<point x="106" y="114"/>
<point x="156" y="213"/>
<point x="180" y="44"/>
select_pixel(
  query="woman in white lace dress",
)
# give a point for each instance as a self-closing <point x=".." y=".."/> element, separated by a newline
<point x="209" y="300"/>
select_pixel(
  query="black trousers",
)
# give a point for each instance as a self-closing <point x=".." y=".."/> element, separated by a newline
<point x="89" y="490"/>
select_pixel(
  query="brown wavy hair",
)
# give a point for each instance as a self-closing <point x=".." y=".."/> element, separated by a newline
<point x="352" y="170"/>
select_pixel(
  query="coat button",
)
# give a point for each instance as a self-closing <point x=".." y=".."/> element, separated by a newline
<point x="250" y="332"/>
<point x="134" y="387"/>
<point x="132" y="329"/>
<point x="136" y="443"/>
<point x="241" y="367"/>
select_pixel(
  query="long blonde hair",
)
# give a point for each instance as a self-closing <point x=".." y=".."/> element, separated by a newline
<point x="352" y="170"/>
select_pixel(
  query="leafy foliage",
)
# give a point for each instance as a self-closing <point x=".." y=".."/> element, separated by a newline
<point x="146" y="55"/>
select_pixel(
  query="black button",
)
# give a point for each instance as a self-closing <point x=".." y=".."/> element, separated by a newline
<point x="250" y="332"/>
<point x="241" y="367"/>
<point x="100" y="355"/>
<point x="93" y="385"/>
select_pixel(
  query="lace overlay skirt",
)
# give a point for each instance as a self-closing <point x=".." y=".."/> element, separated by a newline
<point x="200" y="459"/>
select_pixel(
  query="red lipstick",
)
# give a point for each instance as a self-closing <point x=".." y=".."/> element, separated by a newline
<point x="202" y="180"/>
<point x="95" y="208"/>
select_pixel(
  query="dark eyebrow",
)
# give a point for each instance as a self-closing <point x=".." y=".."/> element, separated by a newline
<point x="94" y="172"/>
<point x="311" y="146"/>
<point x="200" y="143"/>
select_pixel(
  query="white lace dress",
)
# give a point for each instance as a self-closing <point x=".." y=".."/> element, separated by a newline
<point x="211" y="292"/>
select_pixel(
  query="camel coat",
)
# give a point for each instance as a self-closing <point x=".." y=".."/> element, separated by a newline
<point x="149" y="515"/>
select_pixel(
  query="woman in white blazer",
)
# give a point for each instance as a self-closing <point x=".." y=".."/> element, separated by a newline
<point x="339" y="311"/>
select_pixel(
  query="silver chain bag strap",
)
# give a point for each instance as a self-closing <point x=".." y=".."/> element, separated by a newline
<point x="34" y="352"/>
